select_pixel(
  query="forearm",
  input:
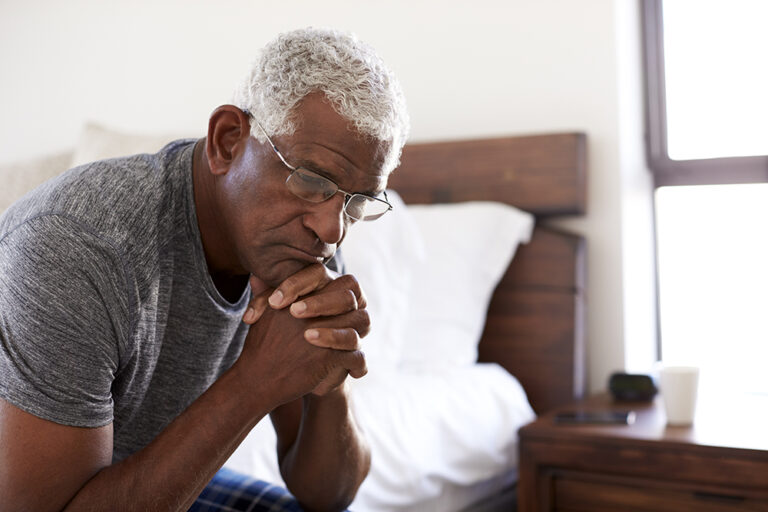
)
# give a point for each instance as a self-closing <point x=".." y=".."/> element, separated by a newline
<point x="330" y="457"/>
<point x="170" y="472"/>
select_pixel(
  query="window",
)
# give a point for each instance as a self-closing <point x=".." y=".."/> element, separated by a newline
<point x="707" y="122"/>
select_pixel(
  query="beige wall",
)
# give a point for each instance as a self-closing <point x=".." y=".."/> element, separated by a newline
<point x="495" y="68"/>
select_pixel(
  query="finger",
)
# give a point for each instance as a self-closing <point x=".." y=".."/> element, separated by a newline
<point x="349" y="282"/>
<point x="256" y="307"/>
<point x="352" y="363"/>
<point x="362" y="300"/>
<point x="337" y="339"/>
<point x="257" y="285"/>
<point x="333" y="381"/>
<point x="325" y="304"/>
<point x="306" y="280"/>
<point x="355" y="363"/>
<point x="359" y="320"/>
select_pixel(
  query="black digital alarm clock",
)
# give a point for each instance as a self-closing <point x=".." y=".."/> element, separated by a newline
<point x="628" y="387"/>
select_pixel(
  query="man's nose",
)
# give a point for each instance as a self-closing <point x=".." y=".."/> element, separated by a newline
<point x="327" y="219"/>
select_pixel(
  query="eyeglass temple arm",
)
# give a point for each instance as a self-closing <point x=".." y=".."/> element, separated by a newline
<point x="386" y="199"/>
<point x="274" y="148"/>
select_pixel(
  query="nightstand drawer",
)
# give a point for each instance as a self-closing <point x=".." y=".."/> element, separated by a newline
<point x="716" y="465"/>
<point x="577" y="492"/>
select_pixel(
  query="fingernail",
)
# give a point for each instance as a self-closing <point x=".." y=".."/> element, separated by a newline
<point x="297" y="308"/>
<point x="250" y="314"/>
<point x="311" y="334"/>
<point x="276" y="299"/>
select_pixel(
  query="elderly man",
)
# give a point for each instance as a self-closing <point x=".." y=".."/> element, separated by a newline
<point x="154" y="308"/>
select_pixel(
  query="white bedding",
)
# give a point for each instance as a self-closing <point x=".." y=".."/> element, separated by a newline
<point x="439" y="441"/>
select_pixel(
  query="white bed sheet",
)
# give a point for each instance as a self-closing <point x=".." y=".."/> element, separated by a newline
<point x="440" y="441"/>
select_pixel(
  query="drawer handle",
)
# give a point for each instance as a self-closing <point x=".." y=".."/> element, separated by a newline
<point x="711" y="496"/>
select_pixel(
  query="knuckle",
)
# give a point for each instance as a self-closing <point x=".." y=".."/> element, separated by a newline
<point x="317" y="270"/>
<point x="321" y="275"/>
<point x="350" y="299"/>
<point x="289" y="284"/>
<point x="349" y="281"/>
<point x="354" y="340"/>
<point x="362" y="300"/>
<point x="360" y="362"/>
<point x="364" y="322"/>
<point x="345" y="339"/>
<point x="307" y="279"/>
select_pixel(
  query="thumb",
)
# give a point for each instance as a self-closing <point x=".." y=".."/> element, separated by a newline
<point x="258" y="304"/>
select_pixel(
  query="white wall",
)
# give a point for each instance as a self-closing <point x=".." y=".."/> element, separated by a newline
<point x="468" y="69"/>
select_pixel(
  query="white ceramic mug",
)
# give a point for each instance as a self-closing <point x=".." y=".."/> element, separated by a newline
<point x="679" y="389"/>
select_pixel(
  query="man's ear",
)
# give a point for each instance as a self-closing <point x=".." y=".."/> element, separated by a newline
<point x="228" y="132"/>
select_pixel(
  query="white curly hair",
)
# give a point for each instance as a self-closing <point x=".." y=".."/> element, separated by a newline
<point x="350" y="74"/>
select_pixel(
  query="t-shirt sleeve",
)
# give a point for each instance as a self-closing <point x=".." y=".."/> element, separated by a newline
<point x="63" y="321"/>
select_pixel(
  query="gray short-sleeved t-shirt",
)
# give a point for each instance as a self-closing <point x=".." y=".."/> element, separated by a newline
<point x="107" y="310"/>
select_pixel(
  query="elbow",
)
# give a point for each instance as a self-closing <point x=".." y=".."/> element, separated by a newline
<point x="335" y="494"/>
<point x="330" y="503"/>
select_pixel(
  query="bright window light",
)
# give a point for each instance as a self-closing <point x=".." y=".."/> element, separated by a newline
<point x="713" y="282"/>
<point x="712" y="243"/>
<point x="716" y="78"/>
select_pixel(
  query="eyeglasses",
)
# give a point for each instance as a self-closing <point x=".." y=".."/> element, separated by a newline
<point x="313" y="187"/>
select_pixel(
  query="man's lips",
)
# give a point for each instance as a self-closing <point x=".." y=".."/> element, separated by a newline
<point x="310" y="256"/>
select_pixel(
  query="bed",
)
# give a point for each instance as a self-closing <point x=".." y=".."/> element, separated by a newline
<point x="442" y="415"/>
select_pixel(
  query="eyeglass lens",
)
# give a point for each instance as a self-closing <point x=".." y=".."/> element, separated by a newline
<point x="315" y="188"/>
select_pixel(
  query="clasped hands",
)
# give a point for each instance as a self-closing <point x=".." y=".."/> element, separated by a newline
<point x="305" y="334"/>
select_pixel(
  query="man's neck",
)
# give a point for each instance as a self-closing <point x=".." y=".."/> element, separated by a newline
<point x="213" y="230"/>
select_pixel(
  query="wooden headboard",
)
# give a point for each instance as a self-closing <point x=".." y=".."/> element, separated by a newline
<point x="535" y="324"/>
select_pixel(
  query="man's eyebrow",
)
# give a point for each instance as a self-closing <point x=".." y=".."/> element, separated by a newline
<point x="312" y="166"/>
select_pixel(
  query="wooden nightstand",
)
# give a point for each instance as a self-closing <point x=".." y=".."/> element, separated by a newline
<point x="719" y="464"/>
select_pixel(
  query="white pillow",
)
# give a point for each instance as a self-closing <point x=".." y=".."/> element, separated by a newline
<point x="468" y="248"/>
<point x="382" y="255"/>
<point x="97" y="143"/>
<point x="19" y="178"/>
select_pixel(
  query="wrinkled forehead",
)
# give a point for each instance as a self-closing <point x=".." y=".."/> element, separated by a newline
<point x="321" y="131"/>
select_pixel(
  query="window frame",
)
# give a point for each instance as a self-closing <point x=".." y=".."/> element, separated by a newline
<point x="666" y="171"/>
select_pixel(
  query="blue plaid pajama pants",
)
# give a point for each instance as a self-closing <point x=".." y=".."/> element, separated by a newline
<point x="230" y="491"/>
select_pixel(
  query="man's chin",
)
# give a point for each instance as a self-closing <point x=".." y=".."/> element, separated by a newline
<point x="278" y="272"/>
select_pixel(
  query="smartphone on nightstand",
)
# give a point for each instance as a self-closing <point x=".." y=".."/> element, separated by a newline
<point x="596" y="417"/>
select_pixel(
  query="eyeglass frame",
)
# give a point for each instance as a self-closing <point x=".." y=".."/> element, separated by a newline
<point x="347" y="195"/>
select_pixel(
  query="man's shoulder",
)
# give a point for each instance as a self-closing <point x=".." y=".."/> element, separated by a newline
<point x="52" y="247"/>
<point x="117" y="199"/>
